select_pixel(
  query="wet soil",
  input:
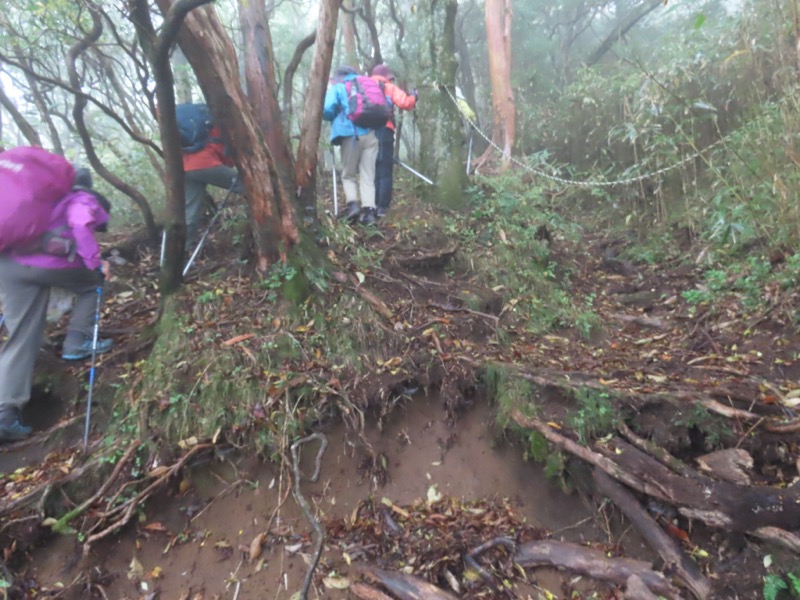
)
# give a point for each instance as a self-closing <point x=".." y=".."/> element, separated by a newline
<point x="198" y="541"/>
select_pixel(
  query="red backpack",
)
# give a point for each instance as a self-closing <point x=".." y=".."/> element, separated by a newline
<point x="367" y="103"/>
<point x="33" y="180"/>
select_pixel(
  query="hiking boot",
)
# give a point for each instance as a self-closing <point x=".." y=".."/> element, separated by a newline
<point x="350" y="212"/>
<point x="368" y="217"/>
<point x="13" y="430"/>
<point x="382" y="211"/>
<point x="84" y="350"/>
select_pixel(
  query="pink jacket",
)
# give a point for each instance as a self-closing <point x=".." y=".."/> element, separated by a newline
<point x="80" y="212"/>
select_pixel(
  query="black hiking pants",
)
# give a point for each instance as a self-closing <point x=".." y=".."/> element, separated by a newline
<point x="384" y="168"/>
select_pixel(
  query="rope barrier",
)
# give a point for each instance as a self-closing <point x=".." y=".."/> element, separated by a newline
<point x="573" y="182"/>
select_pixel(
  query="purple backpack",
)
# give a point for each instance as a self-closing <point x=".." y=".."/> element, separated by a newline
<point x="367" y="103"/>
<point x="33" y="180"/>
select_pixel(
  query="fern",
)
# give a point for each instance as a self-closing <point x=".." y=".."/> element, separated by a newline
<point x="773" y="585"/>
<point x="794" y="580"/>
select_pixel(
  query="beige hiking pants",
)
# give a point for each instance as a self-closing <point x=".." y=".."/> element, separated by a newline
<point x="358" y="168"/>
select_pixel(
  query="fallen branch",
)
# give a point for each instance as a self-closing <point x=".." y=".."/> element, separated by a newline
<point x="298" y="495"/>
<point x="41" y="437"/>
<point x="592" y="563"/>
<point x="593" y="458"/>
<point x="374" y="300"/>
<point x="640" y="320"/>
<point x="493" y="318"/>
<point x="716" y="503"/>
<point x="655" y="450"/>
<point x="666" y="547"/>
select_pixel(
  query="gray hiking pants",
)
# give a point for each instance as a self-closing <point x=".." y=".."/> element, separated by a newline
<point x="24" y="293"/>
<point x="195" y="193"/>
<point x="358" y="164"/>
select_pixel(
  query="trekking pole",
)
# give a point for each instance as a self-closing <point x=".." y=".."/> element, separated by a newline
<point x="335" y="191"/>
<point x="417" y="173"/>
<point x="208" y="229"/>
<point x="163" y="247"/>
<point x="92" y="370"/>
<point x="469" y="150"/>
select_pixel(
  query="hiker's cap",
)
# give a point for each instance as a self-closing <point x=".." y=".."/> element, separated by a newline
<point x="83" y="178"/>
<point x="383" y="71"/>
<point x="344" y="71"/>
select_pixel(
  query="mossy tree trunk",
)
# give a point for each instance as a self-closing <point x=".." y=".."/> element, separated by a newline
<point x="441" y="134"/>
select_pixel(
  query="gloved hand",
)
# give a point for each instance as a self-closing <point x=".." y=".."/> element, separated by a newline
<point x="415" y="93"/>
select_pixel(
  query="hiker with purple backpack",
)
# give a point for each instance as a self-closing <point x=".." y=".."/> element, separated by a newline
<point x="48" y="221"/>
<point x="356" y="107"/>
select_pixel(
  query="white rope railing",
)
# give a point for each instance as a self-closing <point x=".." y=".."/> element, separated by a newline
<point x="573" y="182"/>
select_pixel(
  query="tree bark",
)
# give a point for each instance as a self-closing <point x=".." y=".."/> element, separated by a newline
<point x="498" y="39"/>
<point x="44" y="113"/>
<point x="78" y="115"/>
<point x="262" y="87"/>
<point x="211" y="53"/>
<point x="306" y="165"/>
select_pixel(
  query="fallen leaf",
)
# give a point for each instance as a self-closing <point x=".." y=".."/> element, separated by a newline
<point x="158" y="527"/>
<point x="238" y="338"/>
<point x="335" y="582"/>
<point x="136" y="570"/>
<point x="256" y="546"/>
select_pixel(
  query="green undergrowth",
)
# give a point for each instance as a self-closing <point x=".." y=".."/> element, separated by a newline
<point x="589" y="413"/>
<point x="506" y="234"/>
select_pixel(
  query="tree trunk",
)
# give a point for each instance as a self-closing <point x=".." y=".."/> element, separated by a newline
<point x="498" y="40"/>
<point x="311" y="125"/>
<point x="157" y="50"/>
<point x="441" y="136"/>
<point x="78" y="115"/>
<point x="349" y="34"/>
<point x="211" y="53"/>
<point x="262" y="88"/>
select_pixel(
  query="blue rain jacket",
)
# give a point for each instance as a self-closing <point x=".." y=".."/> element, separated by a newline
<point x="336" y="110"/>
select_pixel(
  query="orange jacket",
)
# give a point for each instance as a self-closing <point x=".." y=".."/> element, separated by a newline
<point x="212" y="155"/>
<point x="398" y="97"/>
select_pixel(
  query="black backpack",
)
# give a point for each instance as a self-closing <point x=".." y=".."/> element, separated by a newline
<point x="194" y="125"/>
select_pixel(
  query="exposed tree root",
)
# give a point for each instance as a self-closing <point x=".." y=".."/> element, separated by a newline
<point x="121" y="515"/>
<point x="593" y="563"/>
<point x="408" y="587"/>
<point x="298" y="495"/>
<point x="62" y="525"/>
<point x="666" y="547"/>
<point x="716" y="503"/>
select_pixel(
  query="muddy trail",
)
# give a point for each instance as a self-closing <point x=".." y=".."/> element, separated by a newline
<point x="646" y="452"/>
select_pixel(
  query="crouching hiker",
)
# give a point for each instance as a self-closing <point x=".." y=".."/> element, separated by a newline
<point x="205" y="162"/>
<point x="356" y="107"/>
<point x="47" y="239"/>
